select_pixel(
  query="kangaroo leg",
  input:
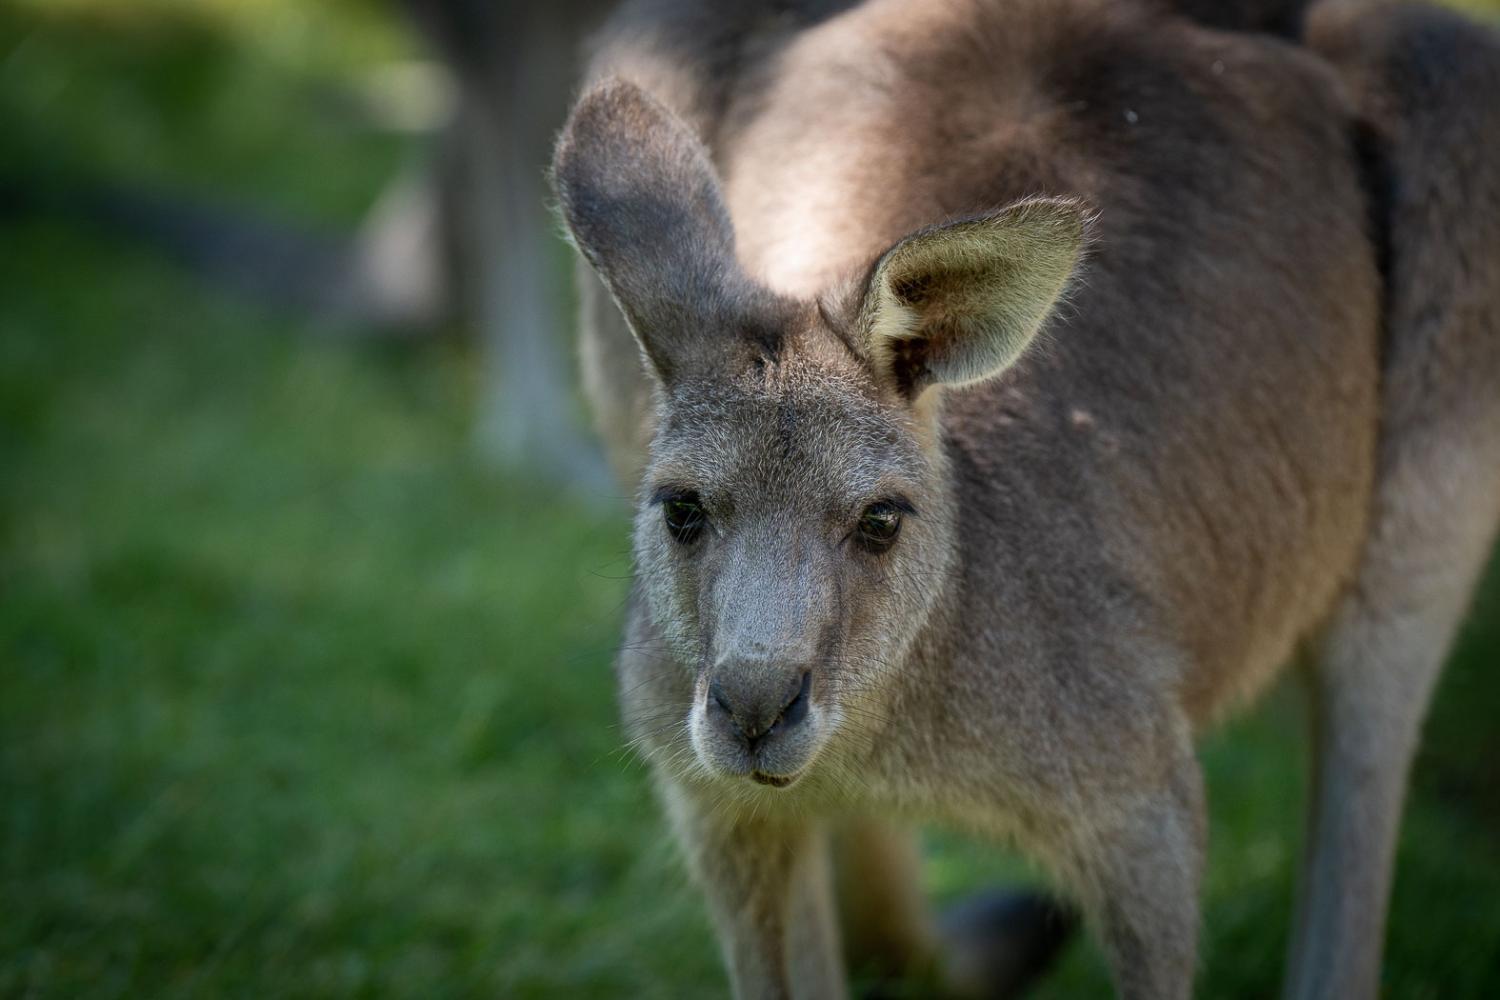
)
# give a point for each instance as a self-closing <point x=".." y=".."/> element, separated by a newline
<point x="769" y="886"/>
<point x="1379" y="663"/>
<point x="1136" y="865"/>
<point x="992" y="945"/>
<point x="886" y="921"/>
<point x="1416" y="75"/>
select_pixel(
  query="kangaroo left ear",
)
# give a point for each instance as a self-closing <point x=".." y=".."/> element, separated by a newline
<point x="640" y="196"/>
<point x="960" y="302"/>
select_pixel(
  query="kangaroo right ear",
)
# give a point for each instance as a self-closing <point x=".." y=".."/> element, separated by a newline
<point x="640" y="197"/>
<point x="960" y="302"/>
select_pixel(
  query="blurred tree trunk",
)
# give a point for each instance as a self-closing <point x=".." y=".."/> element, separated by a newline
<point x="515" y="66"/>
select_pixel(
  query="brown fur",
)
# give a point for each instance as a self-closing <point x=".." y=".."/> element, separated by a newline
<point x="1235" y="435"/>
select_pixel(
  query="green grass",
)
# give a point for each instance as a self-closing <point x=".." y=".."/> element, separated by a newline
<point x="297" y="700"/>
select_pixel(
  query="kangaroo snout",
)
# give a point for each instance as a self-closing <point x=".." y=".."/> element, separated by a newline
<point x="757" y="720"/>
<point x="759" y="708"/>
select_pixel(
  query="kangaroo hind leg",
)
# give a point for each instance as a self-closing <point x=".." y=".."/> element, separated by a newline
<point x="1421" y="78"/>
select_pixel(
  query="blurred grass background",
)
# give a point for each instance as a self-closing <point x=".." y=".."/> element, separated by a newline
<point x="297" y="699"/>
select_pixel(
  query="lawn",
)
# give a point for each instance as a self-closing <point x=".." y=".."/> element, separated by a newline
<point x="299" y="698"/>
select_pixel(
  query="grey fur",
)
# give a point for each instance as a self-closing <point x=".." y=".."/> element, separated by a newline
<point x="1237" y="435"/>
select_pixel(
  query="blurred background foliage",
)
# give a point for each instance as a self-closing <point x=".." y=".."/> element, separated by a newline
<point x="299" y="698"/>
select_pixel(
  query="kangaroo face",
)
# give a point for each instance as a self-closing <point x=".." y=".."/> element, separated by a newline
<point x="791" y="538"/>
<point x="795" y="529"/>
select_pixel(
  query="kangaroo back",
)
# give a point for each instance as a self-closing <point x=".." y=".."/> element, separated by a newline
<point x="1421" y="78"/>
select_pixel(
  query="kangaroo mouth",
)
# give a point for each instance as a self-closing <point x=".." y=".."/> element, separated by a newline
<point x="772" y="780"/>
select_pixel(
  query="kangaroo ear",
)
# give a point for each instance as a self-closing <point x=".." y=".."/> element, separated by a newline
<point x="639" y="195"/>
<point x="958" y="303"/>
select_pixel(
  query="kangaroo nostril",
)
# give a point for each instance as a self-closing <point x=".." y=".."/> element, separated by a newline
<point x="716" y="692"/>
<point x="796" y="709"/>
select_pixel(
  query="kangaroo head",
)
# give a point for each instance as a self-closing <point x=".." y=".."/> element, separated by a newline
<point x="796" y="524"/>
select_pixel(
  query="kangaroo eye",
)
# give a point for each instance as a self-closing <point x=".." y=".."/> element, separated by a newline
<point x="684" y="517"/>
<point x="878" y="526"/>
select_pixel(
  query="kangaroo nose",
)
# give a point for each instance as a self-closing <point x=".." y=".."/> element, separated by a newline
<point x="757" y="708"/>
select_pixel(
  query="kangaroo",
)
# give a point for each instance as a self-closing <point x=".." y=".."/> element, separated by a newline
<point x="1012" y="390"/>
